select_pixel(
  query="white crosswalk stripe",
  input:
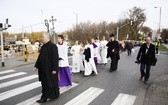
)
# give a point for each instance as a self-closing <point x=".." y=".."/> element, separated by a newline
<point x="86" y="97"/>
<point x="124" y="99"/>
<point x="17" y="91"/>
<point x="7" y="71"/>
<point x="32" y="101"/>
<point x="13" y="82"/>
<point x="83" y="98"/>
<point x="12" y="75"/>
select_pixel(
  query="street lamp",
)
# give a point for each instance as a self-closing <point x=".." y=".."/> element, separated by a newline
<point x="121" y="27"/>
<point x="160" y="13"/>
<point x="76" y="18"/>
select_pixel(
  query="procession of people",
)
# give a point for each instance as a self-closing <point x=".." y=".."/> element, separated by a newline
<point x="53" y="64"/>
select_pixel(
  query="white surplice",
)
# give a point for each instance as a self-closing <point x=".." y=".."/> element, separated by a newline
<point x="97" y="51"/>
<point x="75" y="51"/>
<point x="63" y="53"/>
<point x="103" y="51"/>
<point x="90" y="66"/>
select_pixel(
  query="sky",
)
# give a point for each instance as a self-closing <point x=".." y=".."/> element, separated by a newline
<point x="29" y="15"/>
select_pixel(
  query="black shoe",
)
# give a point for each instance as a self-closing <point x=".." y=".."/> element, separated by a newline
<point x="41" y="101"/>
<point x="141" y="78"/>
<point x="146" y="82"/>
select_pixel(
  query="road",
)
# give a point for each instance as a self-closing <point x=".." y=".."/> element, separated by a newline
<point x="20" y="85"/>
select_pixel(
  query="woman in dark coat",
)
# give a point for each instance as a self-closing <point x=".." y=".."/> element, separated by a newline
<point x="47" y="65"/>
<point x="113" y="53"/>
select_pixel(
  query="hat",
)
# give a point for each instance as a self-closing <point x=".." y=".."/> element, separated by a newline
<point x="112" y="35"/>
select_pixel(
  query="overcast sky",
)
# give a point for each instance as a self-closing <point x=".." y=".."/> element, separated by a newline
<point x="29" y="12"/>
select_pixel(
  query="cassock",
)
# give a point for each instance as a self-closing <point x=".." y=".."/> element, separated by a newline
<point x="46" y="63"/>
<point x="113" y="53"/>
<point x="89" y="63"/>
<point x="64" y="70"/>
<point x="103" y="51"/>
<point x="75" y="51"/>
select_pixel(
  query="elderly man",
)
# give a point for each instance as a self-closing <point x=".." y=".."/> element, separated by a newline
<point x="47" y="66"/>
<point x="146" y="56"/>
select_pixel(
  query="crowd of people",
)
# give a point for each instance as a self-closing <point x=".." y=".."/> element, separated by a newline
<point x="53" y="66"/>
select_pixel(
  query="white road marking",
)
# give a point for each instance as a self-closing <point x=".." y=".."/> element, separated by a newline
<point x="17" y="91"/>
<point x="86" y="97"/>
<point x="12" y="75"/>
<point x="32" y="101"/>
<point x="7" y="71"/>
<point x="124" y="99"/>
<point x="13" y="82"/>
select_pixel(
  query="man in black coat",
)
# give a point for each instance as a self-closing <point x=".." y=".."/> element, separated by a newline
<point x="47" y="66"/>
<point x="113" y="53"/>
<point x="129" y="47"/>
<point x="146" y="57"/>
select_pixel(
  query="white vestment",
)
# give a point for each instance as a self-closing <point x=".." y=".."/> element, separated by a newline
<point x="63" y="53"/>
<point x="75" y="50"/>
<point x="103" y="51"/>
<point x="97" y="52"/>
<point x="90" y="66"/>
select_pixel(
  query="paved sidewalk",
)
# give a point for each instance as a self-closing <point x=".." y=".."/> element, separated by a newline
<point x="14" y="62"/>
<point x="157" y="93"/>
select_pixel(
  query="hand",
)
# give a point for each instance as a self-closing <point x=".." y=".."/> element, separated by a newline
<point x="35" y="69"/>
<point x="113" y="50"/>
<point x="54" y="72"/>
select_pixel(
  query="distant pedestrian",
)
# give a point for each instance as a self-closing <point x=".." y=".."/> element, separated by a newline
<point x="146" y="56"/>
<point x="64" y="70"/>
<point x="25" y="53"/>
<point x="157" y="46"/>
<point x="129" y="47"/>
<point x="47" y="66"/>
<point x="113" y="53"/>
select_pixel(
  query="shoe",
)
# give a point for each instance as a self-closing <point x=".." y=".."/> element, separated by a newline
<point x="111" y="70"/>
<point x="141" y="78"/>
<point x="145" y="82"/>
<point x="41" y="101"/>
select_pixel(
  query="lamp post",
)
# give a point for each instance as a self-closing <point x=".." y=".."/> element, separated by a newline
<point x="160" y="14"/>
<point x="76" y="18"/>
<point x="121" y="27"/>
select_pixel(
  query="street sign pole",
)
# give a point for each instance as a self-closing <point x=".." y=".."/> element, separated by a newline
<point x="2" y="48"/>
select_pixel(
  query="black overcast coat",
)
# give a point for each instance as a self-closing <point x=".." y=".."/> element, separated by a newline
<point x="145" y="56"/>
<point x="47" y="62"/>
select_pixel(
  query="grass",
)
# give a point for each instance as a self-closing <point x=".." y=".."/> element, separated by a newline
<point x="163" y="48"/>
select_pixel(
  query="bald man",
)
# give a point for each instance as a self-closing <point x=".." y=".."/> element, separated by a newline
<point x="47" y="66"/>
<point x="146" y="56"/>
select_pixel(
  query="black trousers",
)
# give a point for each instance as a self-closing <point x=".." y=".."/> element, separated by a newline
<point x="49" y="92"/>
<point x="114" y="62"/>
<point x="129" y="52"/>
<point x="145" y="70"/>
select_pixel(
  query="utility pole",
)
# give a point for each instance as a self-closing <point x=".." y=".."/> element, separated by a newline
<point x="76" y="18"/>
<point x="160" y="14"/>
<point x="6" y="26"/>
<point x="53" y="29"/>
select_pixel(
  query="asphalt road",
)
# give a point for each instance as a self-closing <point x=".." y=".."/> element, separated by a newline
<point x="101" y="89"/>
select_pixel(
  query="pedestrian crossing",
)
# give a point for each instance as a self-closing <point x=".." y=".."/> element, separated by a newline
<point x="84" y="98"/>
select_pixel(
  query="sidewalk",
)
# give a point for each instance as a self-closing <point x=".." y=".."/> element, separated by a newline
<point x="157" y="93"/>
<point x="13" y="62"/>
